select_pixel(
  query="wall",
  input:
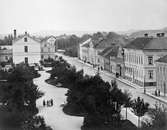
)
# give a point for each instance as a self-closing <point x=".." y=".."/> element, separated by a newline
<point x="33" y="54"/>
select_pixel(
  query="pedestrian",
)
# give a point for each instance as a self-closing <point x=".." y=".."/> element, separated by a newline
<point x="155" y="92"/>
<point x="47" y="103"/>
<point x="51" y="101"/>
<point x="44" y="103"/>
<point x="158" y="92"/>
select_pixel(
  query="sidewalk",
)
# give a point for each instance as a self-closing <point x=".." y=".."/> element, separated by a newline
<point x="149" y="91"/>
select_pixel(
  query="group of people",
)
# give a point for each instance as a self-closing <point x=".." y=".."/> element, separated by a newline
<point x="157" y="92"/>
<point x="48" y="103"/>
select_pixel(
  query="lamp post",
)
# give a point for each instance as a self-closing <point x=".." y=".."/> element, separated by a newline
<point x="123" y="55"/>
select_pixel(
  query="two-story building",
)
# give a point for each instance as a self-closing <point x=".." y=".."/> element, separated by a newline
<point x="140" y="56"/>
<point x="26" y="49"/>
<point x="48" y="48"/>
<point x="161" y="74"/>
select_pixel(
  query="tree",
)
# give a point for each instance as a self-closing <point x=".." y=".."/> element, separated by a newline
<point x="127" y="100"/>
<point x="19" y="94"/>
<point x="158" y="118"/>
<point x="139" y="108"/>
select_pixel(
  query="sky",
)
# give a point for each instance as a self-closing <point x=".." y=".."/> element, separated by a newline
<point x="82" y="15"/>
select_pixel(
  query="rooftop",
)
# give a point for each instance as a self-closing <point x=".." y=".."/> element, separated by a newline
<point x="148" y="43"/>
<point x="162" y="59"/>
<point x="110" y="51"/>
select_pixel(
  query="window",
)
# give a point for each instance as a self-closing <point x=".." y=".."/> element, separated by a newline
<point x="25" y="48"/>
<point x="150" y="74"/>
<point x="150" y="60"/>
<point x="26" y="60"/>
<point x="25" y="39"/>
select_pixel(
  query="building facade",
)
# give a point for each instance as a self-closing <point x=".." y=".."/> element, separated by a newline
<point x="84" y="50"/>
<point x="140" y="57"/>
<point x="26" y="49"/>
<point x="48" y="48"/>
<point x="117" y="62"/>
<point x="161" y="75"/>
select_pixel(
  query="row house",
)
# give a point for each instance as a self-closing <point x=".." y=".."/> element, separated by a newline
<point x="111" y="59"/>
<point x="140" y="56"/>
<point x="89" y="51"/>
<point x="161" y="74"/>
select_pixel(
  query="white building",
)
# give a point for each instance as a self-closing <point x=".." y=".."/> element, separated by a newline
<point x="26" y="49"/>
<point x="161" y="74"/>
<point x="140" y="57"/>
<point x="48" y="48"/>
<point x="83" y="50"/>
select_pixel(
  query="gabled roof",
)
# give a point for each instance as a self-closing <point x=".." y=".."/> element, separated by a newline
<point x="86" y="43"/>
<point x="162" y="59"/>
<point x="105" y="51"/>
<point x="110" y="51"/>
<point x="45" y="39"/>
<point x="148" y="43"/>
<point x="35" y="39"/>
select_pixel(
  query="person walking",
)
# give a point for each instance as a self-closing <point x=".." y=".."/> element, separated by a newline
<point x="44" y="103"/>
<point x="47" y="103"/>
<point x="51" y="101"/>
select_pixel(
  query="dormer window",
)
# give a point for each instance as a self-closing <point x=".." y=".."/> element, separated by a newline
<point x="25" y="39"/>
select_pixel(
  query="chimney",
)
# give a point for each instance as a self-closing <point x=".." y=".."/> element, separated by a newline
<point x="146" y="35"/>
<point x="15" y="35"/>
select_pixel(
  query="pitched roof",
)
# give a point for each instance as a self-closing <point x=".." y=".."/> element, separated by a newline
<point x="18" y="38"/>
<point x="110" y="51"/>
<point x="86" y="45"/>
<point x="105" y="51"/>
<point x="46" y="38"/>
<point x="162" y="59"/>
<point x="148" y="43"/>
<point x="86" y="42"/>
<point x="113" y="52"/>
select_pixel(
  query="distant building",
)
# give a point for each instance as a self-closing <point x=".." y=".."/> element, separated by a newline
<point x="26" y="49"/>
<point x="111" y="59"/>
<point x="95" y="45"/>
<point x="6" y="53"/>
<point x="48" y="48"/>
<point x="84" y="50"/>
<point x="161" y="74"/>
<point x="140" y="57"/>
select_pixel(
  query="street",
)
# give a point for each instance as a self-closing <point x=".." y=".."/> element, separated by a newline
<point x="89" y="70"/>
